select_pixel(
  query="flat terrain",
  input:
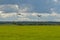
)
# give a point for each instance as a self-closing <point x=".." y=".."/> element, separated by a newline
<point x="29" y="32"/>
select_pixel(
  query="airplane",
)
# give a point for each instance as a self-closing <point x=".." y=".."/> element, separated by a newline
<point x="39" y="15"/>
<point x="18" y="14"/>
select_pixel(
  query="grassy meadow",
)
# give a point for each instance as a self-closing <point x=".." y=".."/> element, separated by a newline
<point x="29" y="32"/>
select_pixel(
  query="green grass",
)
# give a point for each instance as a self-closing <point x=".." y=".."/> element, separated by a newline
<point x="29" y="32"/>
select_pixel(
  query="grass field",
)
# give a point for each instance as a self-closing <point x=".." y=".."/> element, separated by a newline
<point x="29" y="32"/>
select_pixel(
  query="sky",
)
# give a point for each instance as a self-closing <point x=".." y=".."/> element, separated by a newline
<point x="29" y="10"/>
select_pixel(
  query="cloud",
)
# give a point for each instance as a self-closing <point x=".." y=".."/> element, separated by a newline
<point x="55" y="0"/>
<point x="24" y="8"/>
<point x="16" y="8"/>
<point x="1" y="11"/>
<point x="57" y="20"/>
<point x="54" y="14"/>
<point x="42" y="14"/>
<point x="30" y="16"/>
<point x="7" y="15"/>
<point x="10" y="12"/>
<point x="23" y="19"/>
<point x="9" y="8"/>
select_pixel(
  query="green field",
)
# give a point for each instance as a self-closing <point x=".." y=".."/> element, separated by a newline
<point x="29" y="32"/>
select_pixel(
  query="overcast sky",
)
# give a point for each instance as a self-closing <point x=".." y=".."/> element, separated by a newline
<point x="30" y="10"/>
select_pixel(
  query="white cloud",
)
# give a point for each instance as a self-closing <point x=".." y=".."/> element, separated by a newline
<point x="28" y="16"/>
<point x="34" y="14"/>
<point x="55" y="0"/>
<point x="7" y="15"/>
<point x="1" y="11"/>
<point x="9" y="8"/>
<point x="9" y="5"/>
<point x="25" y="15"/>
<point x="23" y="19"/>
<point x="18" y="10"/>
<point x="57" y="19"/>
<point x="25" y="9"/>
<point x="42" y="14"/>
<point x="54" y="14"/>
